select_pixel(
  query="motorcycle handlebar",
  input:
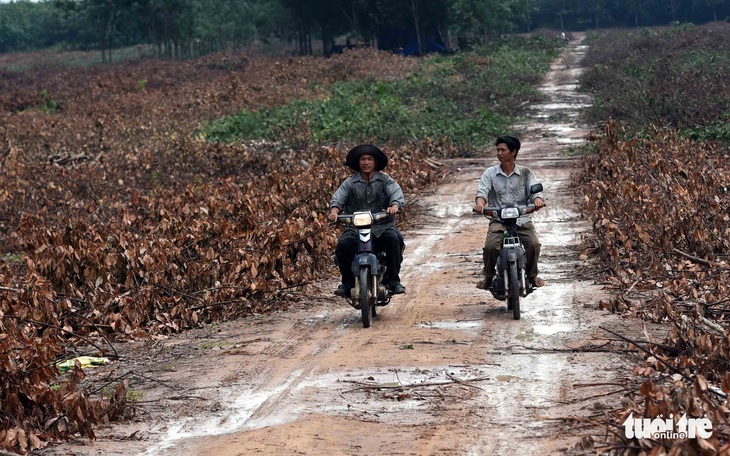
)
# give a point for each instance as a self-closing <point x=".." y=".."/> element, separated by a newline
<point x="377" y="217"/>
<point x="493" y="211"/>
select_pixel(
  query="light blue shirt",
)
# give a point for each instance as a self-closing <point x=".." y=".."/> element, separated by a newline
<point x="498" y="189"/>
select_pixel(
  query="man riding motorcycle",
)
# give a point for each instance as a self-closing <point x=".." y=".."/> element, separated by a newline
<point x="503" y="184"/>
<point x="369" y="190"/>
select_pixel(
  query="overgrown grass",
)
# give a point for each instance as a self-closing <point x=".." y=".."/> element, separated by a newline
<point x="466" y="99"/>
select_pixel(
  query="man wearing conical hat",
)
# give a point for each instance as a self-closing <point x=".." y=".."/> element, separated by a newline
<point x="369" y="190"/>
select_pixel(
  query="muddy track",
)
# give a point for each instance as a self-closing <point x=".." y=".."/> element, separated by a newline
<point x="444" y="369"/>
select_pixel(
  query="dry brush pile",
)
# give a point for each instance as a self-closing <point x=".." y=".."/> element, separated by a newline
<point x="659" y="206"/>
<point x="117" y="221"/>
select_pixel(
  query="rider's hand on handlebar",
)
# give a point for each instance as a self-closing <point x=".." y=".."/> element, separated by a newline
<point x="539" y="204"/>
<point x="334" y="212"/>
<point x="392" y="210"/>
<point x="479" y="205"/>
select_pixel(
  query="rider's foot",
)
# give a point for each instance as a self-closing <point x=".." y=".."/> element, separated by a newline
<point x="537" y="282"/>
<point x="343" y="290"/>
<point x="396" y="288"/>
<point x="484" y="283"/>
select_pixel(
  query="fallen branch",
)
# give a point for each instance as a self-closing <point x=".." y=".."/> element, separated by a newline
<point x="633" y="285"/>
<point x="85" y="339"/>
<point x="98" y="330"/>
<point x="585" y="385"/>
<point x="136" y="374"/>
<point x="716" y="328"/>
<point x="607" y="393"/>
<point x="376" y="386"/>
<point x="585" y="420"/>
<point x="431" y="164"/>
<point x="462" y="382"/>
<point x="693" y="258"/>
<point x="296" y="285"/>
<point x="221" y="303"/>
<point x="14" y="290"/>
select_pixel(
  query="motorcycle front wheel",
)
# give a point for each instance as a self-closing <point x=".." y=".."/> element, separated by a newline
<point x="513" y="297"/>
<point x="363" y="300"/>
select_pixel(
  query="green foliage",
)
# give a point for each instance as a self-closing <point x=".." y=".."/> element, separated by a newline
<point x="12" y="258"/>
<point x="134" y="395"/>
<point x="718" y="131"/>
<point x="141" y="85"/>
<point x="465" y="98"/>
<point x="48" y="104"/>
<point x="27" y="26"/>
<point x="187" y="28"/>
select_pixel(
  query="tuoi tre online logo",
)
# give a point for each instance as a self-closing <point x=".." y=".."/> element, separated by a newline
<point x="661" y="428"/>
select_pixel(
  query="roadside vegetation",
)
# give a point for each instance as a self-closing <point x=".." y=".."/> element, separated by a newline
<point x="465" y="99"/>
<point x="656" y="186"/>
<point x="676" y="77"/>
<point x="121" y="218"/>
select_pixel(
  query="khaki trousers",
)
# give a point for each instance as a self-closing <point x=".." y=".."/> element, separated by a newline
<point x="493" y="245"/>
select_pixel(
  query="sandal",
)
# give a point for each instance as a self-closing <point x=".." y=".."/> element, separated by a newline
<point x="484" y="283"/>
<point x="537" y="282"/>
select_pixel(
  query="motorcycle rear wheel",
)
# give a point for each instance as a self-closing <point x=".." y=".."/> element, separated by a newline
<point x="367" y="314"/>
<point x="513" y="297"/>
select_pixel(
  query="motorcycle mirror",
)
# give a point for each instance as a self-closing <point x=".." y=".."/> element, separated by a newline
<point x="535" y="188"/>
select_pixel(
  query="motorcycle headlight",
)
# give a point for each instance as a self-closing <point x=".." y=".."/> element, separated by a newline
<point x="362" y="219"/>
<point x="510" y="213"/>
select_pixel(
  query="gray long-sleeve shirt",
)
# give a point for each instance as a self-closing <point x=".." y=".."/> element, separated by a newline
<point x="357" y="194"/>
<point x="498" y="189"/>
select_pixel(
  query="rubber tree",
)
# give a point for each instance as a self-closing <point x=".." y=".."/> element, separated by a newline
<point x="713" y="4"/>
<point x="491" y="18"/>
<point x="559" y="8"/>
<point x="595" y="10"/>
<point x="524" y="11"/>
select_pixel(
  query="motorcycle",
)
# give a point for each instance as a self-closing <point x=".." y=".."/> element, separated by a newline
<point x="368" y="266"/>
<point x="510" y="282"/>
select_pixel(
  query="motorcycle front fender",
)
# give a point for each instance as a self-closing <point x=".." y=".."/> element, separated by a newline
<point x="365" y="259"/>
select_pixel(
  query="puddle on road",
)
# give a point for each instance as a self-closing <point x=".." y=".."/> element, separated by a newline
<point x="232" y="418"/>
<point x="557" y="239"/>
<point x="570" y="141"/>
<point x="247" y="409"/>
<point x="550" y="312"/>
<point x="423" y="252"/>
<point x="570" y="88"/>
<point x="563" y="129"/>
<point x="563" y="106"/>
<point x="451" y="210"/>
<point x="549" y="330"/>
<point x="454" y="325"/>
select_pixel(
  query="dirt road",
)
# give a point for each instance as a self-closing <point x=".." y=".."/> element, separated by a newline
<point x="444" y="369"/>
